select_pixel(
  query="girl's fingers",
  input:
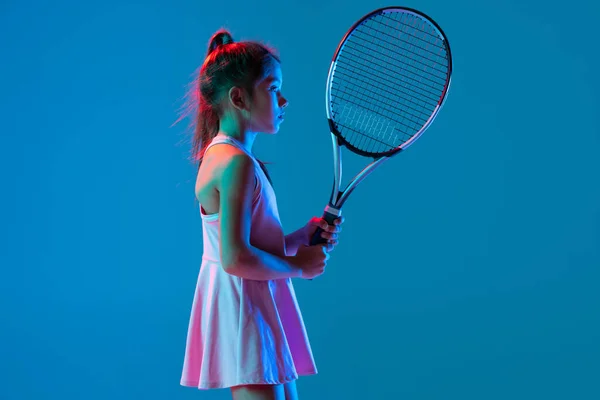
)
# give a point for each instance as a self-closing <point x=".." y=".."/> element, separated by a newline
<point x="332" y="228"/>
<point x="329" y="235"/>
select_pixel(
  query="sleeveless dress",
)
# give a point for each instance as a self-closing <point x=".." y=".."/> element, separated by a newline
<point x="245" y="331"/>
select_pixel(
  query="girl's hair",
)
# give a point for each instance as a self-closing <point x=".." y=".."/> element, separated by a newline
<point x="227" y="64"/>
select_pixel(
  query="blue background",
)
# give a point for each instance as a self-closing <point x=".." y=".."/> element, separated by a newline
<point x="477" y="277"/>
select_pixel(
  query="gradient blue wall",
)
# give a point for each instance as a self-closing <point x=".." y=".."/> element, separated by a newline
<point x="478" y="279"/>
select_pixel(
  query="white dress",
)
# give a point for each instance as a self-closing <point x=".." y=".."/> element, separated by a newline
<point x="245" y="331"/>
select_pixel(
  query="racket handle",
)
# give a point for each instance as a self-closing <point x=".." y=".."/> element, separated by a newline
<point x="316" y="237"/>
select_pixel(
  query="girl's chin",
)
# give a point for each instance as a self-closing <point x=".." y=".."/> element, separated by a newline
<point x="273" y="129"/>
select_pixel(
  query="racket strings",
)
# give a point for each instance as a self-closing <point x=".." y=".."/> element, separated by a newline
<point x="437" y="42"/>
<point x="388" y="80"/>
<point x="390" y="109"/>
<point x="425" y="94"/>
<point x="415" y="67"/>
<point x="370" y="128"/>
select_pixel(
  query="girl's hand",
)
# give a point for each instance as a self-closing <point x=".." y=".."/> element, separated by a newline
<point x="311" y="260"/>
<point x="330" y="232"/>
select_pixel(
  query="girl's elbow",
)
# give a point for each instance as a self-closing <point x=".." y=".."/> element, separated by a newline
<point x="234" y="258"/>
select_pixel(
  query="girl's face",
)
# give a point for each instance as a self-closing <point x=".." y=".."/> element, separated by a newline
<point x="267" y="107"/>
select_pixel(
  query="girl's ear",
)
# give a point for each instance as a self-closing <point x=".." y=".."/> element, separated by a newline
<point x="238" y="98"/>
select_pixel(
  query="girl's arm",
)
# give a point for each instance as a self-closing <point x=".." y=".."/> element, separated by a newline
<point x="238" y="256"/>
<point x="294" y="240"/>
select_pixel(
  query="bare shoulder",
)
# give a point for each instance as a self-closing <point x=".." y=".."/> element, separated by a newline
<point x="224" y="168"/>
<point x="209" y="182"/>
<point x="226" y="162"/>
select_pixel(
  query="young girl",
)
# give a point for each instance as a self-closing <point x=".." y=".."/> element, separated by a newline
<point x="246" y="330"/>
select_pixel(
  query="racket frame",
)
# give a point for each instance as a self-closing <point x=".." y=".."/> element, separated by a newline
<point x="338" y="197"/>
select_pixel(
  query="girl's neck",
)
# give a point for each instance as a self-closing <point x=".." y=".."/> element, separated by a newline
<point x="246" y="140"/>
<point x="237" y="132"/>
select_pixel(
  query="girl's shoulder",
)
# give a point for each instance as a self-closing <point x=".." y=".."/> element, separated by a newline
<point x="221" y="155"/>
<point x="223" y="165"/>
<point x="225" y="158"/>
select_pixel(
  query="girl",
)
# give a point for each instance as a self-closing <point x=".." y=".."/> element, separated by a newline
<point x="246" y="330"/>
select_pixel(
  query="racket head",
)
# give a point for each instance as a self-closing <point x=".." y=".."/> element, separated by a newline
<point x="387" y="81"/>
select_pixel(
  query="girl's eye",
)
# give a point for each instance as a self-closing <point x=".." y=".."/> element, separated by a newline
<point x="273" y="88"/>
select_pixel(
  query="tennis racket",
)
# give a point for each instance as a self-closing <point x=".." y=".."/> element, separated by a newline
<point x="388" y="80"/>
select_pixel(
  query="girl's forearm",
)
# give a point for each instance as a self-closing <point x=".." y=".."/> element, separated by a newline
<point x="257" y="264"/>
<point x="293" y="241"/>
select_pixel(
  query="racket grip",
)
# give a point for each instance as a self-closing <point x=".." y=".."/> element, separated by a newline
<point x="316" y="237"/>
